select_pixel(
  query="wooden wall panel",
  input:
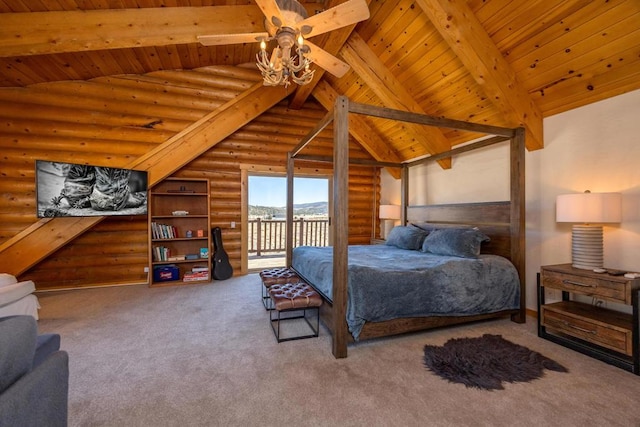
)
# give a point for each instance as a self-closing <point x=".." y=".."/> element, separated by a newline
<point x="110" y="121"/>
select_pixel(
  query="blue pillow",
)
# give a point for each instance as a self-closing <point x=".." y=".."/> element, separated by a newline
<point x="459" y="242"/>
<point x="406" y="237"/>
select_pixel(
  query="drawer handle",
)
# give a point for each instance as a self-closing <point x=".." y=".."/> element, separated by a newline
<point x="584" y="285"/>
<point x="577" y="328"/>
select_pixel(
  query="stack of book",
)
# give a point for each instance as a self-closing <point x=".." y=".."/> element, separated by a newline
<point x="163" y="231"/>
<point x="162" y="253"/>
<point x="196" y="273"/>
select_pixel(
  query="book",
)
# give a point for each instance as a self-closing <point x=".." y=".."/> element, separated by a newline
<point x="163" y="231"/>
<point x="162" y="253"/>
<point x="204" y="252"/>
<point x="192" y="277"/>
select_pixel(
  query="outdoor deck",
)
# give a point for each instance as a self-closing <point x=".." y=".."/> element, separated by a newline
<point x="258" y="263"/>
<point x="267" y="241"/>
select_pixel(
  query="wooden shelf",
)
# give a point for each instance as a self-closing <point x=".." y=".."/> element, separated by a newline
<point x="174" y="194"/>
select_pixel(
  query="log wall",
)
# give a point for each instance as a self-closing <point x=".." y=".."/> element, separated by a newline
<point x="111" y="121"/>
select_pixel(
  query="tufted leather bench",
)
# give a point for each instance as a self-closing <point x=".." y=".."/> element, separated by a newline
<point x="275" y="276"/>
<point x="298" y="297"/>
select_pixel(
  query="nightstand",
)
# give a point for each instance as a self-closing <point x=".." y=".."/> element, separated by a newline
<point x="608" y="335"/>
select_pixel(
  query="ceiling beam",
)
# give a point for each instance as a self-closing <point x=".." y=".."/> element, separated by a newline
<point x="361" y="129"/>
<point x="464" y="34"/>
<point x="43" y="238"/>
<point x="331" y="42"/>
<point x="35" y="33"/>
<point x="393" y="94"/>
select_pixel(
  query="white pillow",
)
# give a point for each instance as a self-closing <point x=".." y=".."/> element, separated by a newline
<point x="14" y="292"/>
<point x="7" y="279"/>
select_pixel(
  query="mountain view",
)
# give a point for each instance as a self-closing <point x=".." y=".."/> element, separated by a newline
<point x="315" y="209"/>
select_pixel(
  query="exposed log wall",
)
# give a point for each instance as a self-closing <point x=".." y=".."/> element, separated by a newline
<point x="111" y="121"/>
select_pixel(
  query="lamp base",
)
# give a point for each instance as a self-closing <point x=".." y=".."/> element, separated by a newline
<point x="587" y="247"/>
<point x="388" y="226"/>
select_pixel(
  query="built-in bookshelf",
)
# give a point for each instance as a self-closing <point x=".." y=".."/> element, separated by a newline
<point x="179" y="232"/>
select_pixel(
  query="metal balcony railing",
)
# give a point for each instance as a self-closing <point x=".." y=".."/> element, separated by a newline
<point x="267" y="236"/>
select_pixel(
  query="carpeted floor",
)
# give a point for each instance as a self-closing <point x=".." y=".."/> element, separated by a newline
<point x="206" y="356"/>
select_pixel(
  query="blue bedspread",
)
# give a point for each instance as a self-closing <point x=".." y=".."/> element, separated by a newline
<point x="386" y="282"/>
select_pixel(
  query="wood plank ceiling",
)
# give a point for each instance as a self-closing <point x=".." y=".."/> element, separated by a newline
<point x="498" y="62"/>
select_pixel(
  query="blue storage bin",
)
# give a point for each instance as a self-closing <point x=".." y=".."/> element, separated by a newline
<point x="166" y="273"/>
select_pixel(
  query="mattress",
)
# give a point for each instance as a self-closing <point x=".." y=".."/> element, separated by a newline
<point x="386" y="282"/>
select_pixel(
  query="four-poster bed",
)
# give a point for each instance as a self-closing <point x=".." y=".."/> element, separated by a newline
<point x="502" y="222"/>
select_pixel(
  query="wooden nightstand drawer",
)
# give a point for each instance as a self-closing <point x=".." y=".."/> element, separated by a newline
<point x="613" y="290"/>
<point x="612" y="336"/>
<point x="607" y="328"/>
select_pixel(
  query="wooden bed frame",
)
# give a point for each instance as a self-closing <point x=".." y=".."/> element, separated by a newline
<point x="503" y="222"/>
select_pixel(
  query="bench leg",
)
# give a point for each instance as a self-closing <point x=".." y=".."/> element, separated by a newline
<point x="275" y="322"/>
<point x="266" y="299"/>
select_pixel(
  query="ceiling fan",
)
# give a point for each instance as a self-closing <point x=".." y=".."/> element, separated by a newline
<point x="289" y="25"/>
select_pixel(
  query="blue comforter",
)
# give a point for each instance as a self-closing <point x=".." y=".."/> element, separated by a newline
<point x="386" y="282"/>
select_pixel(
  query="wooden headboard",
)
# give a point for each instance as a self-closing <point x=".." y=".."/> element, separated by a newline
<point x="492" y="218"/>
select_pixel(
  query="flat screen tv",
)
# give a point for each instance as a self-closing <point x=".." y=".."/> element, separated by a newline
<point x="69" y="189"/>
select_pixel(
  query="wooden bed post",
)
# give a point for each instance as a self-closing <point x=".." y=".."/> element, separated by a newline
<point x="518" y="216"/>
<point x="289" y="226"/>
<point x="404" y="196"/>
<point x="340" y="224"/>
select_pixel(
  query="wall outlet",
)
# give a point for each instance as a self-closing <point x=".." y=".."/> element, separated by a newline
<point x="233" y="224"/>
<point x="146" y="269"/>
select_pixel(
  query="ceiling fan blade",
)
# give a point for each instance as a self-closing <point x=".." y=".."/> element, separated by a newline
<point x="271" y="10"/>
<point x="221" y="39"/>
<point x="325" y="60"/>
<point x="347" y="13"/>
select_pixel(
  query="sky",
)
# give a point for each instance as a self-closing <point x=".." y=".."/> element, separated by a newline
<point x="272" y="191"/>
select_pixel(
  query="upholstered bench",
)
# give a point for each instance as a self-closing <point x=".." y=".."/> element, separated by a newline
<point x="294" y="297"/>
<point x="275" y="276"/>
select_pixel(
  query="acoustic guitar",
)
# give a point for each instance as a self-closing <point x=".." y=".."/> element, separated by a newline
<point x="222" y="269"/>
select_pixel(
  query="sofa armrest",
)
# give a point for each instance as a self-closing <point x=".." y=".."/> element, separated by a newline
<point x="46" y="344"/>
<point x="39" y="398"/>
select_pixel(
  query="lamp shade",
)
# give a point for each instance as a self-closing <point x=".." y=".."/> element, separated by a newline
<point x="589" y="208"/>
<point x="389" y="212"/>
<point x="588" y="211"/>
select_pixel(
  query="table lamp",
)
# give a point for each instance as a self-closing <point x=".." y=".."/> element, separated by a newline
<point x="588" y="211"/>
<point x="388" y="213"/>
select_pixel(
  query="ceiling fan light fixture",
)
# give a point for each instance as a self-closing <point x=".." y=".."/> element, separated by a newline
<point x="289" y="24"/>
<point x="280" y="68"/>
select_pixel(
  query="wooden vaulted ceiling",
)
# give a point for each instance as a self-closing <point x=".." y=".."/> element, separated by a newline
<point x="498" y="62"/>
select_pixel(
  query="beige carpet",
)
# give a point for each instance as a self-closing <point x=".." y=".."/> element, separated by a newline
<point x="206" y="356"/>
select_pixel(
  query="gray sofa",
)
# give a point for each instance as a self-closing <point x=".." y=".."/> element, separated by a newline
<point x="34" y="375"/>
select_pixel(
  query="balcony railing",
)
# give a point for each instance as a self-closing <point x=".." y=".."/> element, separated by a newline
<point x="269" y="235"/>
